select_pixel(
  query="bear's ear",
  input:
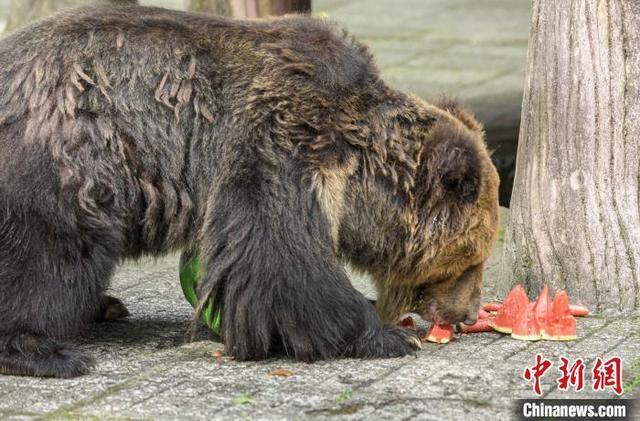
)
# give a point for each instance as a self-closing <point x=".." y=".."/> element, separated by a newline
<point x="460" y="169"/>
<point x="450" y="168"/>
<point x="459" y="111"/>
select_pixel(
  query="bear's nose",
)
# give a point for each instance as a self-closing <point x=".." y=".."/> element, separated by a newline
<point x="470" y="320"/>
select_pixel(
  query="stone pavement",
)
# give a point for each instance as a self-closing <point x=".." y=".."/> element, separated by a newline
<point x="149" y="370"/>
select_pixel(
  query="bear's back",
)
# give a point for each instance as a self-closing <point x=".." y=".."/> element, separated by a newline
<point x="132" y="104"/>
<point x="337" y="61"/>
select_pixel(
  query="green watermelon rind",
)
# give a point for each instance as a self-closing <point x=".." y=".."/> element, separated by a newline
<point x="189" y="277"/>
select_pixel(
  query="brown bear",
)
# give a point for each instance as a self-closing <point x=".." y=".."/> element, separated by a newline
<point x="272" y="148"/>
<point x="443" y="237"/>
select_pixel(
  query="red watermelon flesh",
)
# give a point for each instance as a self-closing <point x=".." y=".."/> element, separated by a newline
<point x="491" y="306"/>
<point x="578" y="311"/>
<point x="542" y="308"/>
<point x="406" y="321"/>
<point x="561" y="325"/>
<point x="413" y="321"/>
<point x="483" y="314"/>
<point x="482" y="325"/>
<point x="525" y="327"/>
<point x="515" y="303"/>
<point x="439" y="333"/>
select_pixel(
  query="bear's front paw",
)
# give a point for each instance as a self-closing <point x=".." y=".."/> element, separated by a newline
<point x="399" y="341"/>
<point x="389" y="342"/>
<point x="111" y="309"/>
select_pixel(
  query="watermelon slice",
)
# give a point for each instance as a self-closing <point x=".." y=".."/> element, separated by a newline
<point x="524" y="320"/>
<point x="515" y="303"/>
<point x="442" y="333"/>
<point x="491" y="307"/>
<point x="483" y="314"/>
<point x="561" y="325"/>
<point x="413" y="321"/>
<point x="525" y="327"/>
<point x="541" y="308"/>
<point x="439" y="333"/>
<point x="407" y="321"/>
<point x="482" y="325"/>
<point x="578" y="311"/>
<point x="540" y="319"/>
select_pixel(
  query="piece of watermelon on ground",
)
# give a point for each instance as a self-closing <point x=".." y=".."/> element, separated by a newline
<point x="482" y="314"/>
<point x="439" y="333"/>
<point x="482" y="325"/>
<point x="541" y="308"/>
<point x="491" y="307"/>
<point x="577" y="310"/>
<point x="515" y="303"/>
<point x="561" y="325"/>
<point x="525" y="327"/>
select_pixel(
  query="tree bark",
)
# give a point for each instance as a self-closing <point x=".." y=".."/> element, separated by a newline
<point x="575" y="218"/>
<point x="24" y="11"/>
<point x="249" y="8"/>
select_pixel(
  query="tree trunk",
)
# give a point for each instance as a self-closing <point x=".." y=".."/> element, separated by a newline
<point x="25" y="11"/>
<point x="575" y="218"/>
<point x="249" y="8"/>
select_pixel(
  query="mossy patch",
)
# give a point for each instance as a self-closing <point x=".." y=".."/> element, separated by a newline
<point x="345" y="395"/>
<point x="243" y="399"/>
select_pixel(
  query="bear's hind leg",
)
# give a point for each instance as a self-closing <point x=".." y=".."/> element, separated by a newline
<point x="50" y="287"/>
<point x="24" y="353"/>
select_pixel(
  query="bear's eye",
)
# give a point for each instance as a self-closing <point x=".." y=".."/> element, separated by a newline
<point x="422" y="291"/>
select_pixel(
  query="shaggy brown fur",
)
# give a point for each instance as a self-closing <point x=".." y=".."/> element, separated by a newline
<point x="431" y="239"/>
<point x="272" y="148"/>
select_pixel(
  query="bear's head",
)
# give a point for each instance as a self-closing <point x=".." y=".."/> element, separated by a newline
<point x="425" y="218"/>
